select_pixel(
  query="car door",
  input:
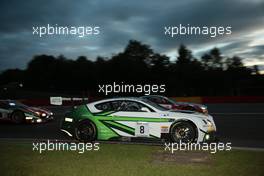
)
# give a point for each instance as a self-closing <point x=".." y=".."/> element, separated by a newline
<point x="141" y="119"/>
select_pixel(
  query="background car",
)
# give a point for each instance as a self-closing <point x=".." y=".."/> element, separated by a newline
<point x="135" y="117"/>
<point x="19" y="113"/>
<point x="173" y="105"/>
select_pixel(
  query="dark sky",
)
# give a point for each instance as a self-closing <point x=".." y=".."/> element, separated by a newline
<point x="121" y="21"/>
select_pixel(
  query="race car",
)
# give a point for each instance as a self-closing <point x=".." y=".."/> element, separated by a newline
<point x="19" y="113"/>
<point x="173" y="105"/>
<point x="136" y="117"/>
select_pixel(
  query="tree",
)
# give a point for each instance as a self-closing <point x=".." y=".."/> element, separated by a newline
<point x="139" y="64"/>
<point x="213" y="60"/>
<point x="158" y="61"/>
<point x="207" y="61"/>
<point x="185" y="55"/>
<point x="234" y="62"/>
<point x="256" y="70"/>
<point x="12" y="75"/>
<point x="138" y="51"/>
<point x="217" y="59"/>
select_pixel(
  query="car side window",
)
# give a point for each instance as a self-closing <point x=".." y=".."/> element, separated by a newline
<point x="152" y="99"/>
<point x="132" y="106"/>
<point x="106" y="106"/>
<point x="164" y="101"/>
<point x="159" y="100"/>
<point x="156" y="100"/>
<point x="116" y="105"/>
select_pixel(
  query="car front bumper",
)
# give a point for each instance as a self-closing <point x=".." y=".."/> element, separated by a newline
<point x="210" y="137"/>
<point x="30" y="119"/>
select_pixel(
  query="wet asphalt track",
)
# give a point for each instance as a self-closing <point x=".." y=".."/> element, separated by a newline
<point x="241" y="124"/>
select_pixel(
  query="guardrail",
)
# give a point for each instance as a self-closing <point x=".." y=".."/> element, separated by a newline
<point x="196" y="99"/>
<point x="222" y="99"/>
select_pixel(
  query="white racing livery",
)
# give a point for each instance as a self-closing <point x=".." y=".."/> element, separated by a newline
<point x="148" y="119"/>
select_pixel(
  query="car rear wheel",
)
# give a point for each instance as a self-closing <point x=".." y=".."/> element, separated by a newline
<point x="183" y="132"/>
<point x="18" y="117"/>
<point x="85" y="131"/>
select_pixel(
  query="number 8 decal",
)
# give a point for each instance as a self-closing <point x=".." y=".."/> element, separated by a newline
<point x="142" y="129"/>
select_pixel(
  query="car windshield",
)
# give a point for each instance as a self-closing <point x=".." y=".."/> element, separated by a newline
<point x="155" y="105"/>
<point x="172" y="100"/>
<point x="18" y="104"/>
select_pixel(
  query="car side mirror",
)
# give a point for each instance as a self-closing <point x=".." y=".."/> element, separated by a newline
<point x="144" y="109"/>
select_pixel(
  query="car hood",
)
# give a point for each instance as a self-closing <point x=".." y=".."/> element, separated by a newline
<point x="189" y="104"/>
<point x="189" y="115"/>
<point x="37" y="109"/>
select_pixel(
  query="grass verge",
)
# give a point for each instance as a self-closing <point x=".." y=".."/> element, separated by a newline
<point x="121" y="159"/>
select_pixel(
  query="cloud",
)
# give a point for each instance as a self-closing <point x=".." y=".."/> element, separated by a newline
<point x="121" y="21"/>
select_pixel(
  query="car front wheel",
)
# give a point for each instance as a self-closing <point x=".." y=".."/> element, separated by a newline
<point x="183" y="132"/>
<point x="85" y="131"/>
<point x="18" y="117"/>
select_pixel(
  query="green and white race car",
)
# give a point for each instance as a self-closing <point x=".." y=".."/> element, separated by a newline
<point x="136" y="117"/>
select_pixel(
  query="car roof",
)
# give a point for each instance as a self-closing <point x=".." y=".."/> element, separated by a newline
<point x="7" y="101"/>
<point x="119" y="98"/>
<point x="161" y="96"/>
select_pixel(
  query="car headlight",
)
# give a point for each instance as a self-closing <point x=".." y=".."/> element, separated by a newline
<point x="38" y="120"/>
<point x="208" y="125"/>
<point x="67" y="119"/>
<point x="203" y="107"/>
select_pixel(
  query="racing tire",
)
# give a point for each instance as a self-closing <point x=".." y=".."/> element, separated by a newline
<point x="18" y="117"/>
<point x="86" y="131"/>
<point x="183" y="132"/>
